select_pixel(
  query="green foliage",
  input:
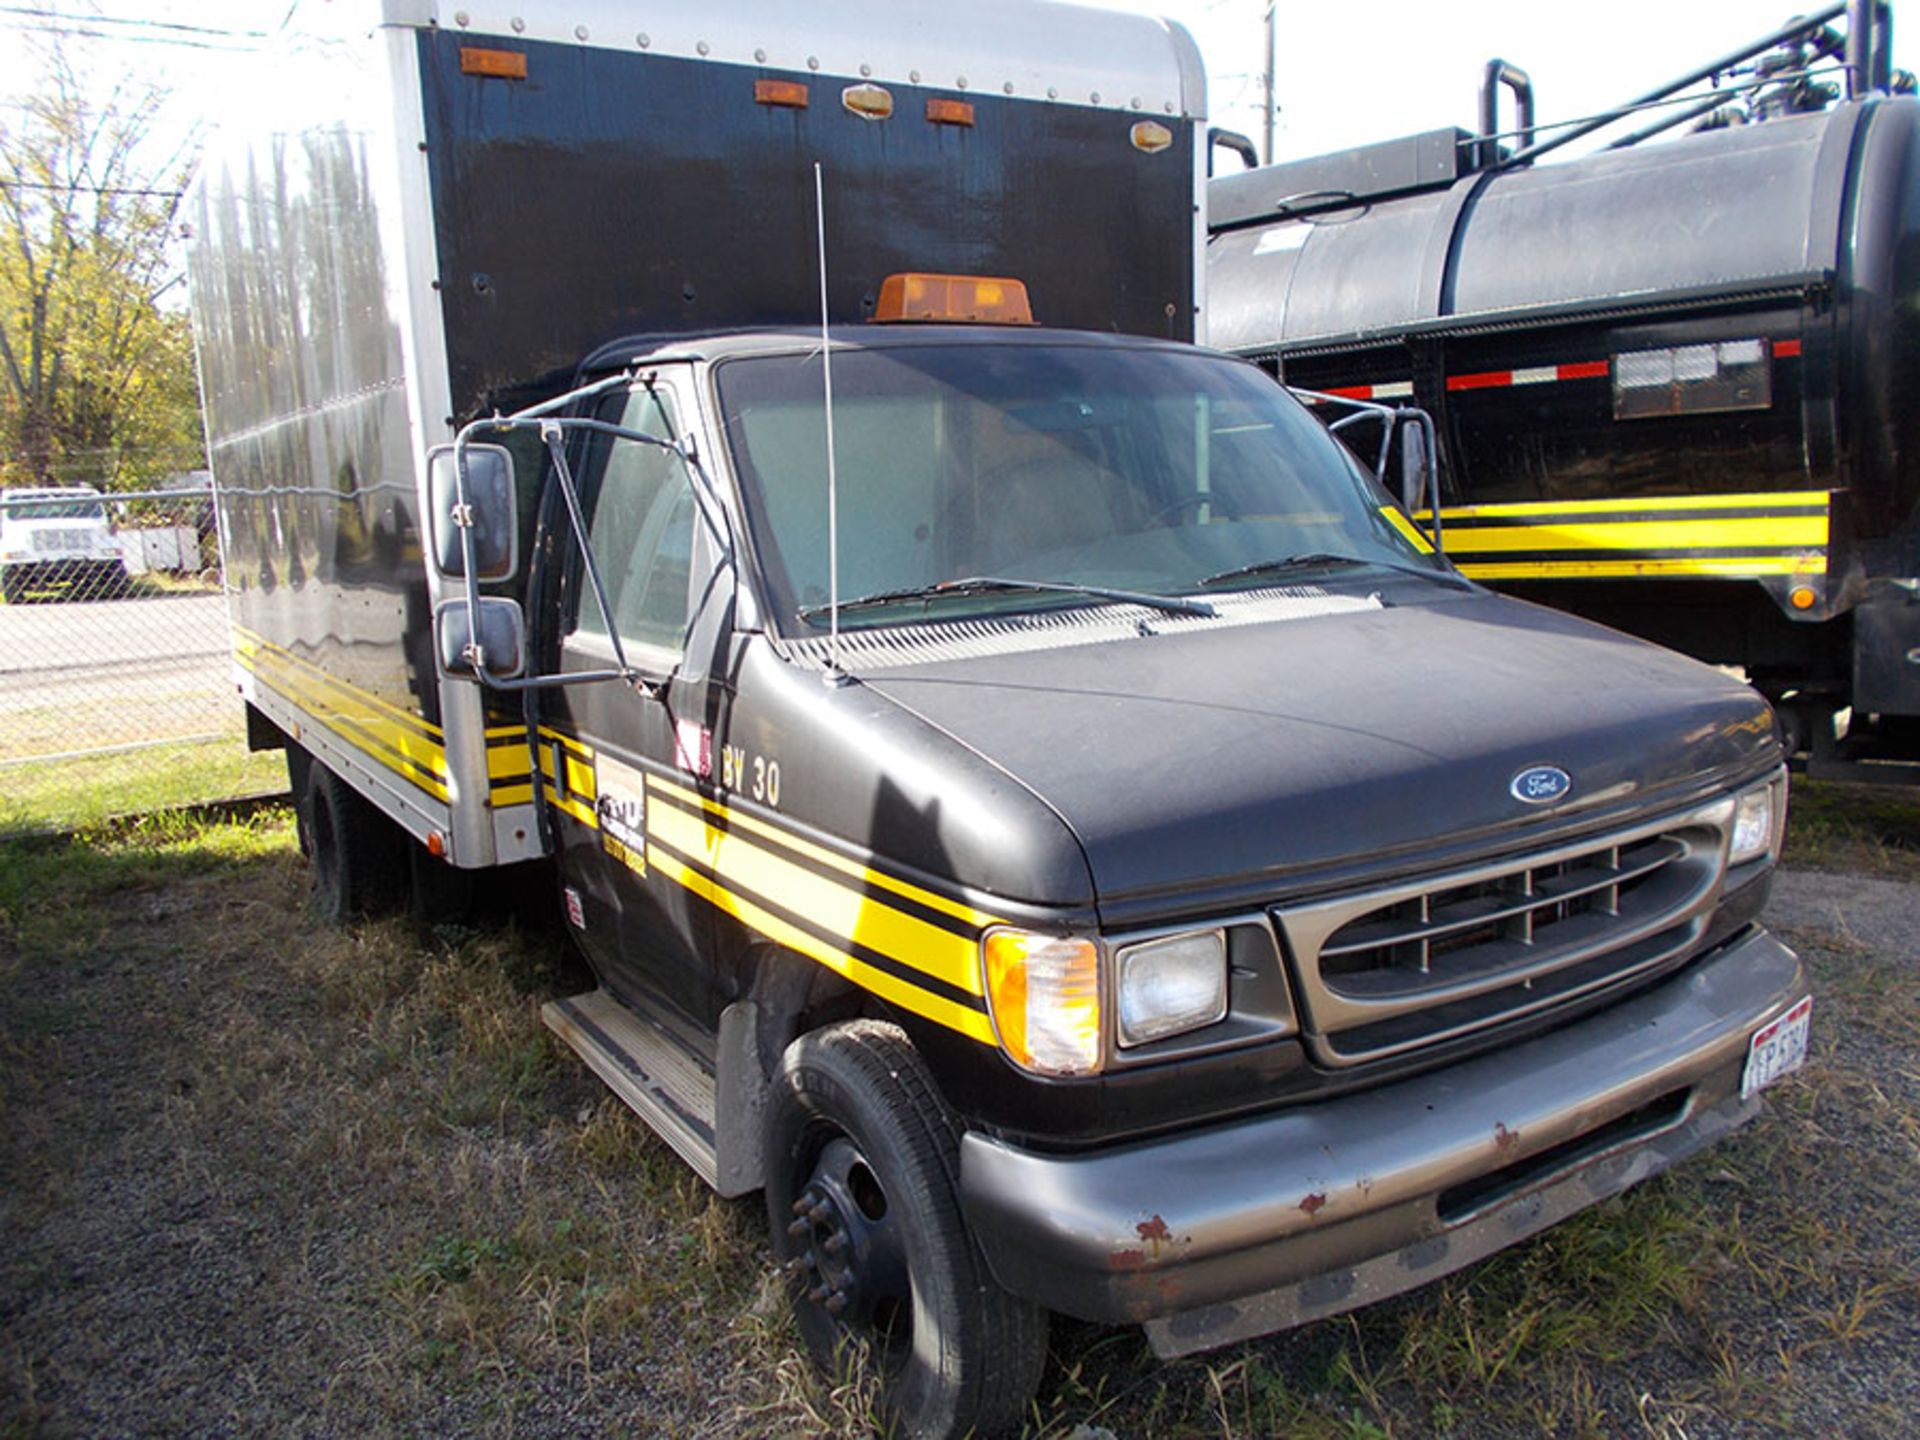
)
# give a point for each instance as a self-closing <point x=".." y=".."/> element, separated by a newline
<point x="96" y="371"/>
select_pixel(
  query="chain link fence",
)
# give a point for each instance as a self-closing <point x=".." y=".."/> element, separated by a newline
<point x="116" y="684"/>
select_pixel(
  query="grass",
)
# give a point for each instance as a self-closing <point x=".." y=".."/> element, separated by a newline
<point x="343" y="1180"/>
<point x="1861" y="829"/>
<point x="40" y="796"/>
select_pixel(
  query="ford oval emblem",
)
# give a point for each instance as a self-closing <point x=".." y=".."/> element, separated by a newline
<point x="1541" y="785"/>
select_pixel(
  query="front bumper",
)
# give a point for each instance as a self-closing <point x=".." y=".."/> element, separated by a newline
<point x="1246" y="1228"/>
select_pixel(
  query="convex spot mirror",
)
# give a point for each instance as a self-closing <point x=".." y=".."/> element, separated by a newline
<point x="1416" y="471"/>
<point x="489" y="512"/>
<point x="500" y="638"/>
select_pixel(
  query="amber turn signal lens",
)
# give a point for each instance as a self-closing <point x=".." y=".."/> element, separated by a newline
<point x="1803" y="597"/>
<point x="1044" y="991"/>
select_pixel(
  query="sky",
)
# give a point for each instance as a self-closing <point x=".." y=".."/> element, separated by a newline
<point x="1348" y="73"/>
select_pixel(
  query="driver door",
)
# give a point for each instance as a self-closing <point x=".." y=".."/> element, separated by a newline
<point x="606" y="747"/>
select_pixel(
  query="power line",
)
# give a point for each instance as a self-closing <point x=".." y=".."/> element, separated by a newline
<point x="133" y="20"/>
<point x="177" y="41"/>
<point x="93" y="189"/>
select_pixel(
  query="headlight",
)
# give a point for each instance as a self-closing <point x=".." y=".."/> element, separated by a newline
<point x="1167" y="987"/>
<point x="1759" y="816"/>
<point x="1044" y="991"/>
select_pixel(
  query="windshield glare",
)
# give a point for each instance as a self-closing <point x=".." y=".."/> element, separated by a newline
<point x="1138" y="469"/>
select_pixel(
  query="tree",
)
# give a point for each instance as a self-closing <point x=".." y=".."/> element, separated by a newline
<point x="96" y="366"/>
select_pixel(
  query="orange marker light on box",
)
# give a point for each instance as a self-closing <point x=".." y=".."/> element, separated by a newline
<point x="498" y="64"/>
<point x="788" y="93"/>
<point x="953" y="300"/>
<point x="950" y="112"/>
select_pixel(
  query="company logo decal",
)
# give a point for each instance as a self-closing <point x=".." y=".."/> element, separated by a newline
<point x="1541" y="785"/>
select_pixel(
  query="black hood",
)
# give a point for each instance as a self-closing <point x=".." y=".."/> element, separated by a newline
<point x="1198" y="765"/>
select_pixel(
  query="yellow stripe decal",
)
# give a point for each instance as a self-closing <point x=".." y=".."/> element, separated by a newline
<point x="509" y="761"/>
<point x="1581" y="540"/>
<point x="417" y="761"/>
<point x="366" y="697"/>
<point x="548" y="733"/>
<point x="837" y="908"/>
<point x="399" y="740"/>
<point x="1731" y="567"/>
<point x="735" y="819"/>
<point x="1808" y="532"/>
<point x="972" y="1023"/>
<point x="583" y="813"/>
<point x="1780" y="501"/>
<point x="1408" y="529"/>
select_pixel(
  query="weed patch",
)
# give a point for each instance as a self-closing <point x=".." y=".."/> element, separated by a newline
<point x="1859" y="829"/>
<point x="344" y="1181"/>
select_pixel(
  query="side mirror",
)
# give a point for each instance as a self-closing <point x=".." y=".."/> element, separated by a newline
<point x="498" y="642"/>
<point x="1416" y="449"/>
<point x="488" y="515"/>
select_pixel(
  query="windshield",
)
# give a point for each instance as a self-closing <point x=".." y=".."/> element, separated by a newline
<point x="64" y="507"/>
<point x="1143" y="470"/>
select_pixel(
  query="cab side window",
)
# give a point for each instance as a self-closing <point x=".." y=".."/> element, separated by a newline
<point x="640" y="524"/>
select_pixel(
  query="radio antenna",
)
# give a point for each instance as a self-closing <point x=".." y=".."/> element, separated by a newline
<point x="835" y="675"/>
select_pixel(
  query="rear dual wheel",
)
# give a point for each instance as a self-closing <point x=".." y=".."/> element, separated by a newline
<point x="863" y="1200"/>
<point x="359" y="856"/>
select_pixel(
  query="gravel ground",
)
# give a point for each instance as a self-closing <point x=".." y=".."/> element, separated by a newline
<point x="241" y="1193"/>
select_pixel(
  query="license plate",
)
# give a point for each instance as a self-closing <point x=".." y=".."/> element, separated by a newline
<point x="1777" y="1048"/>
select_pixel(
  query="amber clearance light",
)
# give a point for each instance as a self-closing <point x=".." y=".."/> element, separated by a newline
<point x="953" y="299"/>
<point x="499" y="64"/>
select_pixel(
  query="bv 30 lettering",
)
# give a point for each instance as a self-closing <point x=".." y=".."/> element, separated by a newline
<point x="755" y="774"/>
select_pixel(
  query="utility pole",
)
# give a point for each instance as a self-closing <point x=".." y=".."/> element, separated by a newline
<point x="1266" y="80"/>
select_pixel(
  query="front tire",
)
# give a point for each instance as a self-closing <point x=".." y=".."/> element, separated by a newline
<point x="863" y="1167"/>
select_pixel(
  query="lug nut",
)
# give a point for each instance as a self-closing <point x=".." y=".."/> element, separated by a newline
<point x="798" y="1228"/>
<point x="834" y="1243"/>
<point x="836" y="1302"/>
<point x="817" y="1294"/>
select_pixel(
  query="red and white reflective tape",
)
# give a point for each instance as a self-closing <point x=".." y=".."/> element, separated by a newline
<point x="1537" y="375"/>
<point x="1503" y="379"/>
<point x="1392" y="390"/>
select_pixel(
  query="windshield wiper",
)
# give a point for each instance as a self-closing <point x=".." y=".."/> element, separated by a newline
<point x="994" y="584"/>
<point x="1317" y="558"/>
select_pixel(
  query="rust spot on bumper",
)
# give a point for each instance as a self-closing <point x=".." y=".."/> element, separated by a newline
<point x="1312" y="1204"/>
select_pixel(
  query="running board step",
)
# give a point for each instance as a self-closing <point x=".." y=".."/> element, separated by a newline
<point x="665" y="1084"/>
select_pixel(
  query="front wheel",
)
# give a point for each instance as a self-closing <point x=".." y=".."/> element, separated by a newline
<point x="863" y="1198"/>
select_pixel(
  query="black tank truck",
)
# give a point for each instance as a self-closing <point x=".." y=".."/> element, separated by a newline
<point x="1045" y="818"/>
<point x="1677" y="384"/>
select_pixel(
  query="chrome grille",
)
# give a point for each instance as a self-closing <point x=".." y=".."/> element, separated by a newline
<point x="1393" y="969"/>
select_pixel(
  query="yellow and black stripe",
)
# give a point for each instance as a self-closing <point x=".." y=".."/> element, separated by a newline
<point x="909" y="945"/>
<point x="401" y="741"/>
<point x="914" y="947"/>
<point x="566" y="769"/>
<point x="1714" y="536"/>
